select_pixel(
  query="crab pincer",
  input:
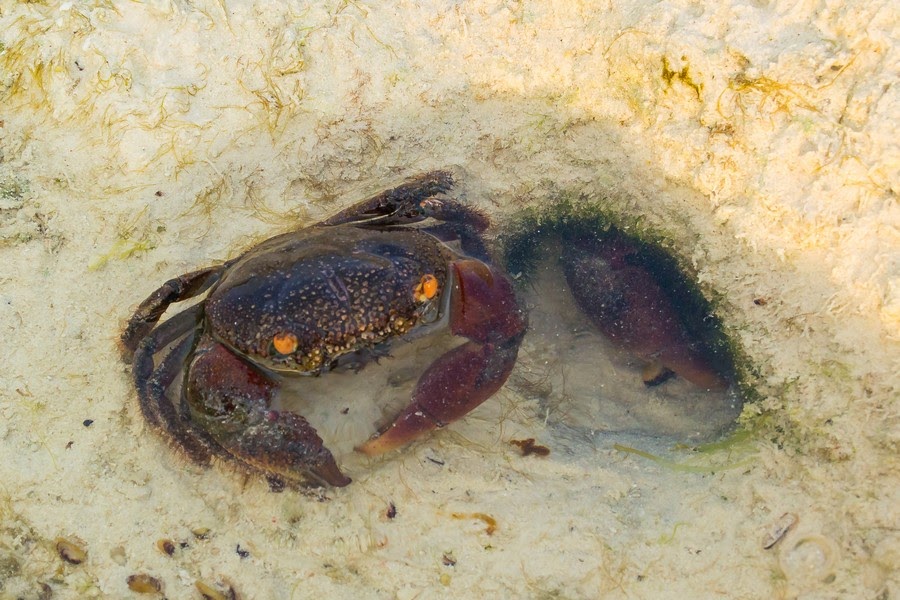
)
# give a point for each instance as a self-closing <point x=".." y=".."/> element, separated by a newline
<point x="484" y="310"/>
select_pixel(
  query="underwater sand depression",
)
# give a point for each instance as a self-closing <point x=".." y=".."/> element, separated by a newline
<point x="610" y="314"/>
<point x="756" y="143"/>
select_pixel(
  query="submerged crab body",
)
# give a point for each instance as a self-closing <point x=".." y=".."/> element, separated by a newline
<point x="329" y="296"/>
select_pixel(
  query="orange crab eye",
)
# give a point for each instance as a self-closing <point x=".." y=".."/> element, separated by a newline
<point x="427" y="288"/>
<point x="285" y="343"/>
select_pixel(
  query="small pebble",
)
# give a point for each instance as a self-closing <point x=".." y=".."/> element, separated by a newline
<point x="71" y="552"/>
<point x="779" y="529"/>
<point x="216" y="593"/>
<point x="166" y="546"/>
<point x="143" y="583"/>
<point x="46" y="592"/>
<point x="118" y="555"/>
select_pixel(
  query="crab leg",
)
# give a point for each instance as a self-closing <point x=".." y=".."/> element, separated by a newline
<point x="484" y="310"/>
<point x="415" y="201"/>
<point x="230" y="398"/>
<point x="152" y="383"/>
<point x="175" y="290"/>
<point x="402" y="204"/>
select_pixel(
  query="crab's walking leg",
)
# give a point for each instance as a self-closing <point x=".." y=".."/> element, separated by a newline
<point x="484" y="310"/>
<point x="152" y="382"/>
<point x="402" y="204"/>
<point x="229" y="399"/>
<point x="143" y="370"/>
<point x="175" y="290"/>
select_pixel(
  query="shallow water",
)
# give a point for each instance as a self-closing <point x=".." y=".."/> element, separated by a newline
<point x="584" y="388"/>
<point x="584" y="380"/>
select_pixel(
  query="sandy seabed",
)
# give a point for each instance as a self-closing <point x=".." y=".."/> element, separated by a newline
<point x="139" y="141"/>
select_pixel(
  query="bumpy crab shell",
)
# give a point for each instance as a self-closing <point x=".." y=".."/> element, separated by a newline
<point x="325" y="292"/>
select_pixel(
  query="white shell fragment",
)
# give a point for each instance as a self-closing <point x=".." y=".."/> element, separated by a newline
<point x="779" y="529"/>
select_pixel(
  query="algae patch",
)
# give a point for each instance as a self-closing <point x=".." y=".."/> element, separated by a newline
<point x="21" y="218"/>
<point x="682" y="75"/>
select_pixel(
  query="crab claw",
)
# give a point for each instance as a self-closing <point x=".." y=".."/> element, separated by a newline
<point x="399" y="205"/>
<point x="229" y="400"/>
<point x="484" y="310"/>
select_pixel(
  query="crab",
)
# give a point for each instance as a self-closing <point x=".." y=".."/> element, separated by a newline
<point x="335" y="295"/>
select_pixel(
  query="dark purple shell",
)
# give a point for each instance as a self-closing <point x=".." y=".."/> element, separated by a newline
<point x="338" y="290"/>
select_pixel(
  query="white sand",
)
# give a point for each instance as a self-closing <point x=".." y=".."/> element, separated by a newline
<point x="144" y="141"/>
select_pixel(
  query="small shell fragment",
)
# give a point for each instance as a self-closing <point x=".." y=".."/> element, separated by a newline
<point x="143" y="583"/>
<point x="215" y="593"/>
<point x="46" y="592"/>
<point x="166" y="546"/>
<point x="779" y="529"/>
<point x="488" y="520"/>
<point x="70" y="551"/>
